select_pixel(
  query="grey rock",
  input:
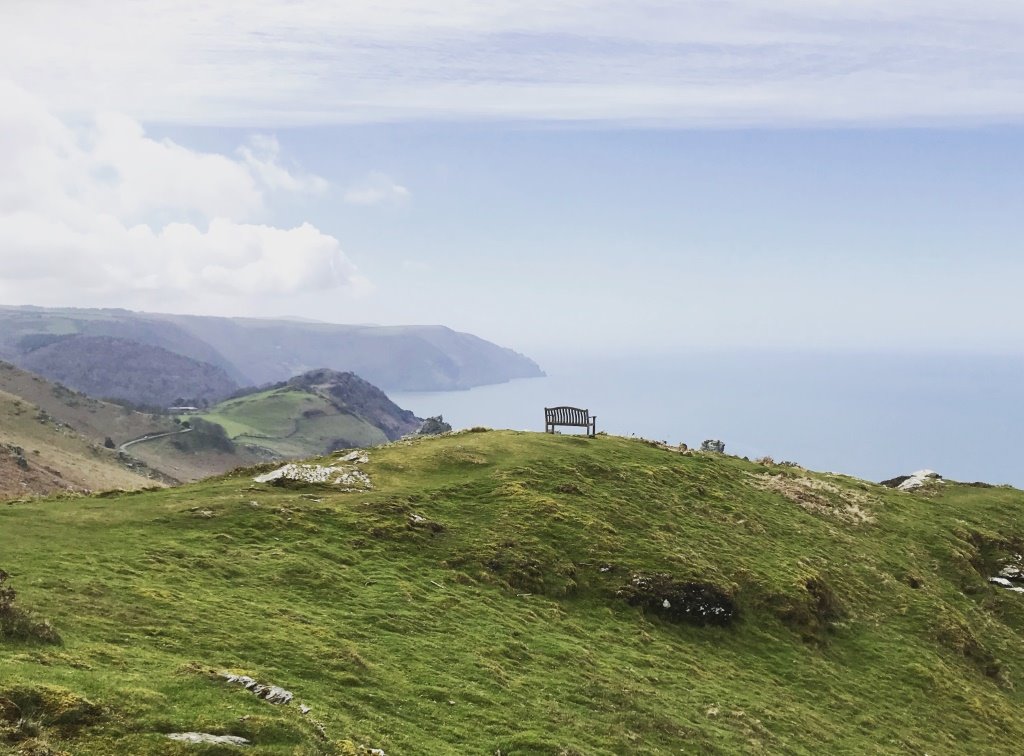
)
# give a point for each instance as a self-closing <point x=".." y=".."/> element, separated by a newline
<point x="434" y="426"/>
<point x="357" y="457"/>
<point x="349" y="478"/>
<point x="270" y="693"/>
<point x="204" y="737"/>
<point x="1004" y="583"/>
<point x="713" y="445"/>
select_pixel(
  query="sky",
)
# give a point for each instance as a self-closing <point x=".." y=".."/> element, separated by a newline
<point x="602" y="175"/>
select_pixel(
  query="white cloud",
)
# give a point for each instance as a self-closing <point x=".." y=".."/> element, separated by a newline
<point x="376" y="189"/>
<point x="681" y="62"/>
<point x="262" y="156"/>
<point x="106" y="213"/>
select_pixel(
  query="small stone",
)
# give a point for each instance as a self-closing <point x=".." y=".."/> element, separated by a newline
<point x="304" y="709"/>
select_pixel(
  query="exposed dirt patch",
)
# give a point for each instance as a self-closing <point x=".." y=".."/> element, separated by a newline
<point x="820" y="497"/>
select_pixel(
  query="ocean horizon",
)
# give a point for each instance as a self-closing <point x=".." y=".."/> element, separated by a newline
<point x="870" y="415"/>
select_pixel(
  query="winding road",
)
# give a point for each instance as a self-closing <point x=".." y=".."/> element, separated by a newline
<point x="151" y="437"/>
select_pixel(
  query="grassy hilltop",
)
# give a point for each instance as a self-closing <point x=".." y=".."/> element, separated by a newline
<point x="524" y="594"/>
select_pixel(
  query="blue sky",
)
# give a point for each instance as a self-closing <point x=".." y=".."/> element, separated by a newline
<point x="871" y="238"/>
<point x="648" y="176"/>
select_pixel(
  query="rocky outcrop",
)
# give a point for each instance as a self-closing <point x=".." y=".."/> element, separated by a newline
<point x="434" y="426"/>
<point x="713" y="445"/>
<point x="346" y="477"/>
<point x="269" y="693"/>
<point x="1011" y="575"/>
<point x="919" y="479"/>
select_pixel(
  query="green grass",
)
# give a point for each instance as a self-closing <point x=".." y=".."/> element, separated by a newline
<point x="495" y="625"/>
<point x="291" y="423"/>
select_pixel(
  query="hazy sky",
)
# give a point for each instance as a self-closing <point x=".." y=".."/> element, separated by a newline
<point x="808" y="173"/>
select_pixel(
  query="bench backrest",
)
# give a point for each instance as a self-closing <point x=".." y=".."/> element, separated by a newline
<point x="567" y="416"/>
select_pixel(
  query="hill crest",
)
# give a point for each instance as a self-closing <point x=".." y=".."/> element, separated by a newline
<point x="506" y="591"/>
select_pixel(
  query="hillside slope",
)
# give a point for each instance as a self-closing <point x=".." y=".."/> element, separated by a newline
<point x="398" y="358"/>
<point x="93" y="418"/>
<point x="524" y="594"/>
<point x="114" y="368"/>
<point x="91" y="421"/>
<point x="313" y="413"/>
<point x="42" y="455"/>
<point x="256" y="351"/>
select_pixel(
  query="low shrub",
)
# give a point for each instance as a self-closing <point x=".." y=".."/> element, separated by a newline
<point x="681" y="601"/>
<point x="18" y="624"/>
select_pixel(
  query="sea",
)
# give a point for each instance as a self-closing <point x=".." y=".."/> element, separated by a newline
<point x="870" y="415"/>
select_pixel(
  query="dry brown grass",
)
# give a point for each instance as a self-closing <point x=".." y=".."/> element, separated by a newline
<point x="820" y="497"/>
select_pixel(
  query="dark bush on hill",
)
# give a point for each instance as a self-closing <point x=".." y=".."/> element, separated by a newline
<point x="18" y="624"/>
<point x="690" y="602"/>
<point x="204" y="436"/>
<point x="811" y="612"/>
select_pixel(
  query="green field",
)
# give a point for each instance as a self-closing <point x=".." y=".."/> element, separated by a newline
<point x="470" y="604"/>
<point x="291" y="423"/>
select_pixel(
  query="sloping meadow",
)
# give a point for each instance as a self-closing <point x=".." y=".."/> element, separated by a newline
<point x="520" y="593"/>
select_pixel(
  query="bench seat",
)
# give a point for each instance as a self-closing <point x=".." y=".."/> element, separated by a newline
<point x="572" y="417"/>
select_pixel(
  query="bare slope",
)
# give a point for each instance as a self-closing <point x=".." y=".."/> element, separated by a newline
<point x="42" y="455"/>
<point x="92" y="418"/>
<point x="96" y="421"/>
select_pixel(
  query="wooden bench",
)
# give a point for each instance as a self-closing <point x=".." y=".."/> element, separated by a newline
<point x="569" y="416"/>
